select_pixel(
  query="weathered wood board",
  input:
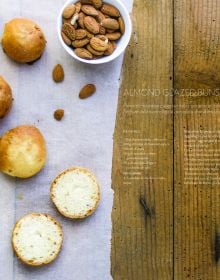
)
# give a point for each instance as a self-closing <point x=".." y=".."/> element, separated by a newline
<point x="166" y="146"/>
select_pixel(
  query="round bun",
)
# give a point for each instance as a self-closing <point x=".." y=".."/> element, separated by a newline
<point x="5" y="98"/>
<point x="37" y="239"/>
<point x="22" y="151"/>
<point x="23" y="40"/>
<point x="75" y="193"/>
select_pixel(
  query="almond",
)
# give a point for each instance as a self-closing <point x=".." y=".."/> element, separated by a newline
<point x="98" y="44"/>
<point x="113" y="36"/>
<point x="66" y="39"/>
<point x="87" y="91"/>
<point x="121" y="25"/>
<point x="83" y="53"/>
<point x="58" y="114"/>
<point x="100" y="16"/>
<point x="94" y="52"/>
<point x="86" y="1"/>
<point x="89" y="35"/>
<point x="110" y="23"/>
<point x="110" y="10"/>
<point x="58" y="73"/>
<point x="111" y="48"/>
<point x="69" y="11"/>
<point x="97" y="3"/>
<point x="80" y="43"/>
<point x="91" y="25"/>
<point x="69" y="31"/>
<point x="81" y="20"/>
<point x="80" y="34"/>
<point x="89" y="10"/>
<point x="102" y="30"/>
<point x="78" y="7"/>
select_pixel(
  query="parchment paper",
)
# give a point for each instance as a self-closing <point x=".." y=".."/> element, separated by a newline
<point x="83" y="138"/>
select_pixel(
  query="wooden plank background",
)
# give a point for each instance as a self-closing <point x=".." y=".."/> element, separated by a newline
<point x="171" y="234"/>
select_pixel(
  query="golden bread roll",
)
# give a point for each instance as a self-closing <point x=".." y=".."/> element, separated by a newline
<point x="22" y="151"/>
<point x="23" y="40"/>
<point x="5" y="98"/>
<point x="37" y="239"/>
<point x="75" y="193"/>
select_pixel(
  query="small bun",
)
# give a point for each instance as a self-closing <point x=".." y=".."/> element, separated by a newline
<point x="37" y="239"/>
<point x="75" y="193"/>
<point x="23" y="40"/>
<point x="5" y="98"/>
<point x="22" y="151"/>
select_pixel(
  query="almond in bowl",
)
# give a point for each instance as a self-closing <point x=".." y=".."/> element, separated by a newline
<point x="94" y="31"/>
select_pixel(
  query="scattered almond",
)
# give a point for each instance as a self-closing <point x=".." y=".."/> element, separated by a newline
<point x="58" y="114"/>
<point x="69" y="11"/>
<point x="87" y="91"/>
<point x="110" y="10"/>
<point x="83" y="53"/>
<point x="58" y="73"/>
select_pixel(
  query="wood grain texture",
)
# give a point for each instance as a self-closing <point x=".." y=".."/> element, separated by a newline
<point x="142" y="240"/>
<point x="196" y="205"/>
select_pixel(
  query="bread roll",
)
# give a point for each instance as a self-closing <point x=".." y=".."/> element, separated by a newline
<point x="23" y="40"/>
<point x="75" y="193"/>
<point x="37" y="239"/>
<point x="5" y="98"/>
<point x="22" y="151"/>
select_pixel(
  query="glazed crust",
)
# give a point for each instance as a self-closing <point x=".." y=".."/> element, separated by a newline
<point x="23" y="40"/>
<point x="49" y="260"/>
<point x="5" y="98"/>
<point x="52" y="195"/>
<point x="22" y="151"/>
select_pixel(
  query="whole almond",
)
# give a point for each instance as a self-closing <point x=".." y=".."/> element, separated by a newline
<point x="110" y="30"/>
<point x="100" y="16"/>
<point x="110" y="10"/>
<point x="97" y="3"/>
<point x="121" y="25"/>
<point x="113" y="36"/>
<point x="81" y="20"/>
<point x="89" y="35"/>
<point x="83" y="53"/>
<point x="58" y="73"/>
<point x="58" y="114"/>
<point x="111" y="48"/>
<point x="86" y="2"/>
<point x="102" y="30"/>
<point x="66" y="39"/>
<point x="80" y="43"/>
<point x="110" y="23"/>
<point x="89" y="10"/>
<point x="78" y="7"/>
<point x="69" y="11"/>
<point x="91" y="25"/>
<point x="102" y="37"/>
<point x="69" y="31"/>
<point x="87" y="91"/>
<point x="98" y="44"/>
<point x="74" y="19"/>
<point x="80" y="34"/>
<point x="94" y="52"/>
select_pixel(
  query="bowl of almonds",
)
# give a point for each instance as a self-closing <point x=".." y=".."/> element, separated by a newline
<point x="94" y="31"/>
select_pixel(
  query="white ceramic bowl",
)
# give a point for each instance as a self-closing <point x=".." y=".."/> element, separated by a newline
<point x="121" y="43"/>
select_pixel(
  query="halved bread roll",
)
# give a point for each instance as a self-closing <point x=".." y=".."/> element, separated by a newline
<point x="37" y="239"/>
<point x="75" y="193"/>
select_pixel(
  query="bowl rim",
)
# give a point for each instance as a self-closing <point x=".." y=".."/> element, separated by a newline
<point x="106" y="58"/>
